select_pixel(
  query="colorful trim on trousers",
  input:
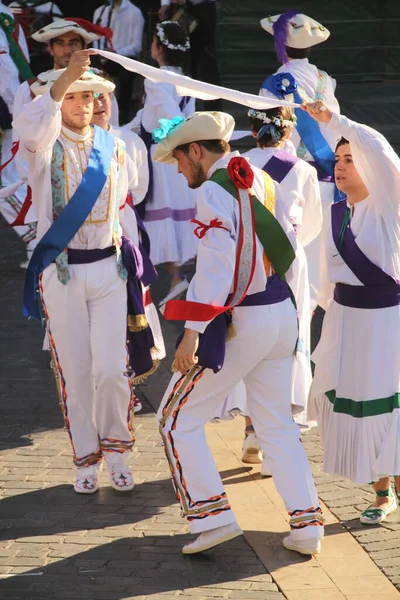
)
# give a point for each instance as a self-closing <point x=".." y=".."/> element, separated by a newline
<point x="105" y="444"/>
<point x="311" y="517"/>
<point x="191" y="509"/>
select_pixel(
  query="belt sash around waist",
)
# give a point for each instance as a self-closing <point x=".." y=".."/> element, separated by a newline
<point x="85" y="257"/>
<point x="367" y="296"/>
<point x="211" y="350"/>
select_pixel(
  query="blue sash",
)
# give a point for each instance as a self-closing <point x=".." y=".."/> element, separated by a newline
<point x="307" y="127"/>
<point x="75" y="213"/>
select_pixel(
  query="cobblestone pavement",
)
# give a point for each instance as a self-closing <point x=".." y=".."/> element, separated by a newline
<point x="57" y="545"/>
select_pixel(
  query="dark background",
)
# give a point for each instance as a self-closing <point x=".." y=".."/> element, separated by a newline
<point x="364" y="42"/>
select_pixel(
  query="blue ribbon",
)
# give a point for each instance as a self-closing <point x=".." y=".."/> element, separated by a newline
<point x="307" y="127"/>
<point x="75" y="213"/>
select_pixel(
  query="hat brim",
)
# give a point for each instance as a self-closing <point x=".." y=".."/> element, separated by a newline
<point x="55" y="32"/>
<point x="201" y="126"/>
<point x="97" y="87"/>
<point x="310" y="40"/>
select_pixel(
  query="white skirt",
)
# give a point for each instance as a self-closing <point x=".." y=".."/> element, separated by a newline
<point x="168" y="215"/>
<point x="358" y="361"/>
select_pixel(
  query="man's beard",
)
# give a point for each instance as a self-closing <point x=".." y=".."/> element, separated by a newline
<point x="74" y="125"/>
<point x="199" y="176"/>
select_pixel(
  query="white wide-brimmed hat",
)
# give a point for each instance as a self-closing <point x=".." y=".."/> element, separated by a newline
<point x="88" y="82"/>
<point x="200" y="126"/>
<point x="85" y="29"/>
<point x="302" y="31"/>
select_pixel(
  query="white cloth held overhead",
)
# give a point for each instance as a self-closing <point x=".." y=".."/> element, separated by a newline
<point x="186" y="86"/>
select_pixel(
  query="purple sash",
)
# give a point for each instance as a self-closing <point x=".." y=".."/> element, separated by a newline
<point x="85" y="257"/>
<point x="379" y="290"/>
<point x="211" y="350"/>
<point x="280" y="164"/>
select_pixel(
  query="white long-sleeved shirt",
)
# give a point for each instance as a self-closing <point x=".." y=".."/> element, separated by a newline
<point x="300" y="193"/>
<point x="9" y="77"/>
<point x="376" y="219"/>
<point x="137" y="151"/>
<point x="216" y="256"/>
<point x="127" y="23"/>
<point x="307" y="77"/>
<point x="39" y="126"/>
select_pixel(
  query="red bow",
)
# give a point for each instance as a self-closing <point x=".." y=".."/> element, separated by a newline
<point x="107" y="32"/>
<point x="14" y="150"/>
<point x="202" y="228"/>
<point x="241" y="173"/>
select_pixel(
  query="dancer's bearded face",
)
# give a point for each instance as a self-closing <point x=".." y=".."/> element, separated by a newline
<point x="190" y="168"/>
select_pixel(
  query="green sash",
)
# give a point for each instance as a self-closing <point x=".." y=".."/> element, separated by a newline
<point x="269" y="231"/>
<point x="7" y="24"/>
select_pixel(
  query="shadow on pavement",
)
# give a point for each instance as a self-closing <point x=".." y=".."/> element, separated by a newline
<point x="135" y="567"/>
<point x="59" y="509"/>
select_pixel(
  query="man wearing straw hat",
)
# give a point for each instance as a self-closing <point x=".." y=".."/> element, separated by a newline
<point x="239" y="292"/>
<point x="87" y="273"/>
<point x="63" y="37"/>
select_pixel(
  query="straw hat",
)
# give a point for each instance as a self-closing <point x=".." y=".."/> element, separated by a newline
<point x="298" y="30"/>
<point x="88" y="82"/>
<point x="200" y="126"/>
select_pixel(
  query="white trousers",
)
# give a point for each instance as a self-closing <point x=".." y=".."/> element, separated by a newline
<point x="11" y="205"/>
<point x="87" y="332"/>
<point x="261" y="355"/>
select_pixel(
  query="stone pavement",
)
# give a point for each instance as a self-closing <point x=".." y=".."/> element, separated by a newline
<point x="56" y="545"/>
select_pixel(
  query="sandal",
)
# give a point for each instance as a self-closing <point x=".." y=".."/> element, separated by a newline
<point x="374" y="514"/>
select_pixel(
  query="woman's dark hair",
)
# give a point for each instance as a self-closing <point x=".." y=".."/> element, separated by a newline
<point x="266" y="140"/>
<point x="213" y="146"/>
<point x="341" y="142"/>
<point x="176" y="36"/>
<point x="298" y="52"/>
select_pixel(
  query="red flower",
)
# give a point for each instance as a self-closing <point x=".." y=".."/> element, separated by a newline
<point x="241" y="173"/>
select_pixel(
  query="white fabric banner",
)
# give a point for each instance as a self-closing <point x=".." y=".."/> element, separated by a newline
<point x="186" y="86"/>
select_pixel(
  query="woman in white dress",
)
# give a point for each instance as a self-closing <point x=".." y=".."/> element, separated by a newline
<point x="170" y="203"/>
<point x="355" y="395"/>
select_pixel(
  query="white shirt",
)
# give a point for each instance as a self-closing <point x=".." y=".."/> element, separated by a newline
<point x="24" y="96"/>
<point x="376" y="220"/>
<point x="39" y="127"/>
<point x="307" y="78"/>
<point x="137" y="151"/>
<point x="300" y="193"/>
<point x="216" y="256"/>
<point x="127" y="23"/>
<point x="161" y="101"/>
<point x="9" y="77"/>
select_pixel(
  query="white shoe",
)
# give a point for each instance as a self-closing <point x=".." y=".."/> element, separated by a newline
<point x="175" y="291"/>
<point x="86" y="484"/>
<point x="213" y="537"/>
<point x="265" y="470"/>
<point x="308" y="546"/>
<point x="121" y="478"/>
<point x="251" y="452"/>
